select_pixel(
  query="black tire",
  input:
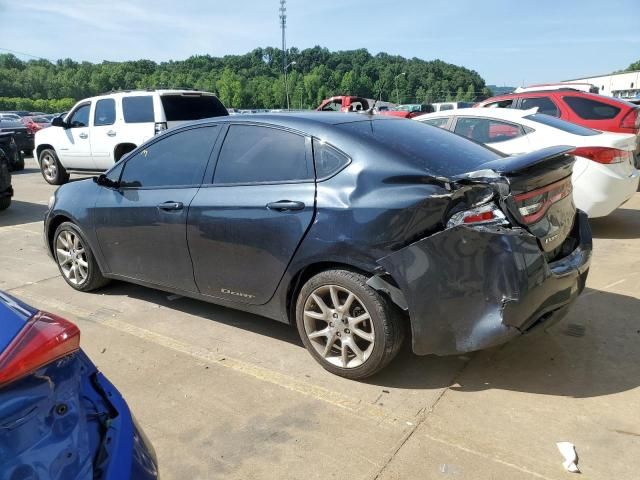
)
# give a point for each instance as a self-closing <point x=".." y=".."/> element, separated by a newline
<point x="387" y="325"/>
<point x="94" y="278"/>
<point x="5" y="202"/>
<point x="19" y="165"/>
<point x="52" y="170"/>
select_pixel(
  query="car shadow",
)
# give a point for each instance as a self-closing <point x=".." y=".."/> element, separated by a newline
<point x="227" y="316"/>
<point x="20" y="212"/>
<point x="624" y="223"/>
<point x="590" y="353"/>
<point x="25" y="171"/>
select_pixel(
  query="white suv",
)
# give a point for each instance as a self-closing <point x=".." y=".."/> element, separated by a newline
<point x="99" y="131"/>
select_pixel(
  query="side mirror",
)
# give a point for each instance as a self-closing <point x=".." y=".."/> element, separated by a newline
<point x="105" y="181"/>
<point x="58" y="122"/>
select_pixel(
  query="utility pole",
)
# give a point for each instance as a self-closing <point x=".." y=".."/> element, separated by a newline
<point x="283" y="26"/>
<point x="398" y="91"/>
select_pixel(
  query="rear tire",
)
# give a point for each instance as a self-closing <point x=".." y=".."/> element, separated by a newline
<point x="5" y="202"/>
<point x="75" y="259"/>
<point x="347" y="326"/>
<point x="52" y="170"/>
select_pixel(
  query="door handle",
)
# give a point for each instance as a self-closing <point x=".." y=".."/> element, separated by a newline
<point x="111" y="133"/>
<point x="169" y="206"/>
<point x="285" y="205"/>
<point x="83" y="136"/>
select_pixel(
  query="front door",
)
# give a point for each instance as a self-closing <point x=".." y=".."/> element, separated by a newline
<point x="245" y="227"/>
<point x="74" y="150"/>
<point x="141" y="226"/>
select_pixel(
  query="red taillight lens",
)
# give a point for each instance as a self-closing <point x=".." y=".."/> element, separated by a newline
<point x="44" y="339"/>
<point x="604" y="155"/>
<point x="534" y="204"/>
<point x="488" y="214"/>
<point x="631" y="119"/>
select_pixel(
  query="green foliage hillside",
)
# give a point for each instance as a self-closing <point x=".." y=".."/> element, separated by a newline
<point x="251" y="80"/>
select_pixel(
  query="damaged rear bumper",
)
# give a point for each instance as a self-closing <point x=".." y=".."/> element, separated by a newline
<point x="468" y="289"/>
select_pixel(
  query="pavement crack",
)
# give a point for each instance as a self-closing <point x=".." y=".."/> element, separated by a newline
<point x="29" y="284"/>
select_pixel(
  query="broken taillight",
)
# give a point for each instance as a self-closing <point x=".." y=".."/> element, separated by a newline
<point x="43" y="339"/>
<point x="534" y="204"/>
<point x="604" y="155"/>
<point x="487" y="214"/>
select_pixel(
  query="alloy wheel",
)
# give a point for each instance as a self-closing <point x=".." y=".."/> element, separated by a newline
<point x="72" y="257"/>
<point x="339" y="326"/>
<point x="49" y="166"/>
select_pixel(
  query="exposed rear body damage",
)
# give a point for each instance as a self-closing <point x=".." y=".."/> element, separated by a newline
<point x="470" y="289"/>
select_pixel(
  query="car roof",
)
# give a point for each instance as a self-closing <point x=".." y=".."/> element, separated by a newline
<point x="138" y="92"/>
<point x="499" y="113"/>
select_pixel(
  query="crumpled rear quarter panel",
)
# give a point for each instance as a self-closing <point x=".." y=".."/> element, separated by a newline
<point x="469" y="289"/>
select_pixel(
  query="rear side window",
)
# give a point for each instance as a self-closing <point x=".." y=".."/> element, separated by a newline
<point x="177" y="159"/>
<point x="562" y="125"/>
<point x="545" y="105"/>
<point x="486" y="130"/>
<point x="254" y="154"/>
<point x="138" y="109"/>
<point x="105" y="112"/>
<point x="328" y="159"/>
<point x="591" y="109"/>
<point x="191" y="107"/>
<point x="438" y="151"/>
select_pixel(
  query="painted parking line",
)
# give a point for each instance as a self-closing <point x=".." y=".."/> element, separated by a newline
<point x="354" y="406"/>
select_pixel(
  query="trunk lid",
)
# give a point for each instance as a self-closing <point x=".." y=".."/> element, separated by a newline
<point x="539" y="195"/>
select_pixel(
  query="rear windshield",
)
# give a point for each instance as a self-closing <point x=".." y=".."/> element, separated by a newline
<point x="438" y="151"/>
<point x="561" y="125"/>
<point x="192" y="107"/>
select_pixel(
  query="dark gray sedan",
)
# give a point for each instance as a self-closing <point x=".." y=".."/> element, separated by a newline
<point x="355" y="228"/>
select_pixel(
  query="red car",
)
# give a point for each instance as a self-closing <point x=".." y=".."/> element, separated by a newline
<point x="36" y="123"/>
<point x="345" y="103"/>
<point x="587" y="109"/>
<point x="409" y="110"/>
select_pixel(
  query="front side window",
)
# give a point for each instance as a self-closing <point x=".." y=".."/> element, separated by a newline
<point x="105" y="112"/>
<point x="545" y="105"/>
<point x="138" y="109"/>
<point x="500" y="104"/>
<point x="591" y="109"/>
<point x="437" y="122"/>
<point x="486" y="130"/>
<point x="80" y="118"/>
<point x="177" y="159"/>
<point x="254" y="154"/>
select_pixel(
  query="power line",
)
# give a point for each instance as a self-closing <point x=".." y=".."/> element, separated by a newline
<point x="15" y="52"/>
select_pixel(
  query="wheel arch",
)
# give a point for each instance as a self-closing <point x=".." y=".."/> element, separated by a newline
<point x="42" y="147"/>
<point x="121" y="149"/>
<point x="306" y="272"/>
<point x="52" y="226"/>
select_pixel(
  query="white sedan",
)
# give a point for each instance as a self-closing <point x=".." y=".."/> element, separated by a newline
<point x="604" y="176"/>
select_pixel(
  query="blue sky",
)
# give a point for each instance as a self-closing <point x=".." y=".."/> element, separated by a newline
<point x="507" y="41"/>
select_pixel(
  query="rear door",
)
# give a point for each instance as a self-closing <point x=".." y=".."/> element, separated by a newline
<point x="104" y="136"/>
<point x="74" y="143"/>
<point x="141" y="226"/>
<point x="245" y="227"/>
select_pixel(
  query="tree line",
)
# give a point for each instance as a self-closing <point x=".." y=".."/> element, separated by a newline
<point x="252" y="80"/>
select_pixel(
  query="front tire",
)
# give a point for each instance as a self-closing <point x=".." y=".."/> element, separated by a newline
<point x="5" y="202"/>
<point x="19" y="165"/>
<point x="75" y="259"/>
<point x="52" y="170"/>
<point x="347" y="326"/>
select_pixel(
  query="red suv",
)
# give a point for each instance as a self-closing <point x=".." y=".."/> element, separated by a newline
<point x="587" y="109"/>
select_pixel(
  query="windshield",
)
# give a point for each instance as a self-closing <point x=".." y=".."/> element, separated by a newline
<point x="438" y="151"/>
<point x="568" y="127"/>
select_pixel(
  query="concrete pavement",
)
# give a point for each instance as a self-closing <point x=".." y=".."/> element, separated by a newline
<point x="224" y="394"/>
